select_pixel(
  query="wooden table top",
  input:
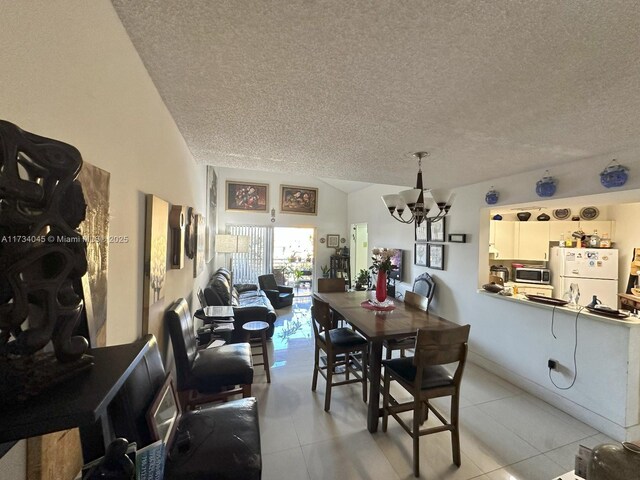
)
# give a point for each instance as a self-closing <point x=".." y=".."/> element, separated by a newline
<point x="402" y="321"/>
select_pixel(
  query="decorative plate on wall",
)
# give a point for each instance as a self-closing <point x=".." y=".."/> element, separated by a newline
<point x="589" y="213"/>
<point x="561" y="213"/>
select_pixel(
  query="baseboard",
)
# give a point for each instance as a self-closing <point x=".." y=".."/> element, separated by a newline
<point x="595" y="420"/>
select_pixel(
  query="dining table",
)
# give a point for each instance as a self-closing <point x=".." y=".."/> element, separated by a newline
<point x="376" y="326"/>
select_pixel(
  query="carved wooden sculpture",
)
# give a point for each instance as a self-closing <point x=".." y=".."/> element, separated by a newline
<point x="42" y="254"/>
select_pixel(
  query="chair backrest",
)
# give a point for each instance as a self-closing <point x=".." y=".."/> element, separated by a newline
<point x="441" y="347"/>
<point x="267" y="282"/>
<point x="321" y="317"/>
<point x="278" y="273"/>
<point x="128" y="410"/>
<point x="416" y="300"/>
<point x="327" y="285"/>
<point x="424" y="285"/>
<point x="183" y="339"/>
<point x="201" y="298"/>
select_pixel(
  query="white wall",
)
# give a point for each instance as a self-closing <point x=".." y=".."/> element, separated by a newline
<point x="331" y="218"/>
<point x="513" y="338"/>
<point x="68" y="71"/>
<point x="627" y="218"/>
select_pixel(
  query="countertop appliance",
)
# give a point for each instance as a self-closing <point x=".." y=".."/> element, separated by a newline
<point x="532" y="275"/>
<point x="500" y="271"/>
<point x="594" y="270"/>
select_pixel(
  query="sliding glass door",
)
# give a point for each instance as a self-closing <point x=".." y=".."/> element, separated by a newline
<point x="258" y="260"/>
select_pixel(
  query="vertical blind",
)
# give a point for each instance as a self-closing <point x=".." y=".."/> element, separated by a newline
<point x="258" y="261"/>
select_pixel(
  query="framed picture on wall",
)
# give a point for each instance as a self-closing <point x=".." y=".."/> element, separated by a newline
<point x="301" y="200"/>
<point x="421" y="231"/>
<point x="247" y="197"/>
<point x="437" y="230"/>
<point x="333" y="240"/>
<point x="436" y="256"/>
<point x="420" y="254"/>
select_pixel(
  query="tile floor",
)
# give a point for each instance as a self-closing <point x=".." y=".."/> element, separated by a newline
<point x="506" y="434"/>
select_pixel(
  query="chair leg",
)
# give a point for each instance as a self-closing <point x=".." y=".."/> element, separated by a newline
<point x="327" y="393"/>
<point x="316" y="367"/>
<point x="415" y="433"/>
<point x="385" y="401"/>
<point x="246" y="390"/>
<point x="455" y="433"/>
<point x="364" y="375"/>
<point x="265" y="355"/>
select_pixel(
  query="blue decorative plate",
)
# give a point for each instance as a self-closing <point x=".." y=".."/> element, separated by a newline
<point x="561" y="213"/>
<point x="589" y="213"/>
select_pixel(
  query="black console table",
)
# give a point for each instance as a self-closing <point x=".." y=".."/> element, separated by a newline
<point x="81" y="402"/>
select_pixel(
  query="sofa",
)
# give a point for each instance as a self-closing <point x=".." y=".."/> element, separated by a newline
<point x="248" y="302"/>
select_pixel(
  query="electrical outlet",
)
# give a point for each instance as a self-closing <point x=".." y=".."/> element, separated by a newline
<point x="553" y="364"/>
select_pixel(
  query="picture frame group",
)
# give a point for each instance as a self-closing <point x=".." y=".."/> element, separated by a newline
<point x="254" y="197"/>
<point x="430" y="255"/>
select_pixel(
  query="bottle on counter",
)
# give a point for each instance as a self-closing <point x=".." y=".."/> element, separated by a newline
<point x="569" y="242"/>
<point x="562" y="241"/>
<point x="594" y="240"/>
<point x="605" y="241"/>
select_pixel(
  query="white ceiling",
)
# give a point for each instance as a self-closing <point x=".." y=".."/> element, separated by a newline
<point x="347" y="90"/>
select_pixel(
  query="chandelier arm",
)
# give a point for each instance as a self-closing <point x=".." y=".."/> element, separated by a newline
<point x="400" y="219"/>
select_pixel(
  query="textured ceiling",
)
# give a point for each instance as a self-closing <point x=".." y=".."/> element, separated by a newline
<point x="348" y="90"/>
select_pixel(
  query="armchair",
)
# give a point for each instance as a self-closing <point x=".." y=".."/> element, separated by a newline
<point x="279" y="296"/>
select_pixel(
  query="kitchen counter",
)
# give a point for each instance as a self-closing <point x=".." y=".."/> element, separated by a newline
<point x="630" y="321"/>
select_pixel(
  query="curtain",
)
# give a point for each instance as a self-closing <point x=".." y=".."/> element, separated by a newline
<point x="259" y="259"/>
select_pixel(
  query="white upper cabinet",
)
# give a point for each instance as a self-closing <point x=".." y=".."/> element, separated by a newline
<point x="502" y="237"/>
<point x="532" y="241"/>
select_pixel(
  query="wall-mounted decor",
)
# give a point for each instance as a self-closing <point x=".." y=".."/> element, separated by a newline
<point x="201" y="239"/>
<point x="436" y="256"/>
<point x="95" y="228"/>
<point x="247" y="197"/>
<point x="437" y="230"/>
<point x="212" y="212"/>
<point x="177" y="224"/>
<point x="458" y="237"/>
<point x="546" y="186"/>
<point x="155" y="266"/>
<point x="190" y="233"/>
<point x="614" y="175"/>
<point x="589" y="213"/>
<point x="421" y="232"/>
<point x="302" y="200"/>
<point x="420" y="254"/>
<point x="322" y="240"/>
<point x="492" y="196"/>
<point x="333" y="240"/>
<point x="561" y="213"/>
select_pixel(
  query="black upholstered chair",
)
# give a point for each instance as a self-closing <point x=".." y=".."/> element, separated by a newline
<point x="223" y="440"/>
<point x="208" y="374"/>
<point x="425" y="377"/>
<point x="420" y="297"/>
<point x="279" y="296"/>
<point x="340" y="345"/>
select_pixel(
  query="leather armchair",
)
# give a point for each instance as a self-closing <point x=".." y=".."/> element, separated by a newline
<point x="279" y="296"/>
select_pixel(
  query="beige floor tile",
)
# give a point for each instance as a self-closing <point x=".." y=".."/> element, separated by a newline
<point x="284" y="465"/>
<point x="565" y="456"/>
<point x="277" y="434"/>
<point x="535" y="468"/>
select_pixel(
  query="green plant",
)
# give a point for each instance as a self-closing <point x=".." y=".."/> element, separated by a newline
<point x="363" y="277"/>
<point x="325" y="270"/>
<point x="297" y="274"/>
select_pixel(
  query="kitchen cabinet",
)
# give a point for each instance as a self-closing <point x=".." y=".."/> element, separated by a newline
<point x="532" y="241"/>
<point x="502" y="238"/>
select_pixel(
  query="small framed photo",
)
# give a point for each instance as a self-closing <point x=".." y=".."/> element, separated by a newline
<point x="436" y="256"/>
<point x="300" y="200"/>
<point x="421" y="231"/>
<point x="458" y="237"/>
<point x="420" y="254"/>
<point x="333" y="240"/>
<point x="247" y="197"/>
<point x="437" y="230"/>
<point x="164" y="413"/>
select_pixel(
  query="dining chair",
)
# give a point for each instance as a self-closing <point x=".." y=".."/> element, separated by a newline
<point x="331" y="285"/>
<point x="420" y="297"/>
<point x="425" y="377"/>
<point x="340" y="345"/>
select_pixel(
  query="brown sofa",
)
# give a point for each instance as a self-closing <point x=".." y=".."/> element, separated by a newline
<point x="248" y="302"/>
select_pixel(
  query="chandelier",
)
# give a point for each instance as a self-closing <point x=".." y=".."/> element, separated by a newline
<point x="418" y="200"/>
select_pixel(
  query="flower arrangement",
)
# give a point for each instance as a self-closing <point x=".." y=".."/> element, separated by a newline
<point x="382" y="260"/>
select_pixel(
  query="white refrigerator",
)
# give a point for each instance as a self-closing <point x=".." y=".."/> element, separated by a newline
<point x="595" y="270"/>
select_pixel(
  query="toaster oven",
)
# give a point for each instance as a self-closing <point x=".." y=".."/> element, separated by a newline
<point x="532" y="275"/>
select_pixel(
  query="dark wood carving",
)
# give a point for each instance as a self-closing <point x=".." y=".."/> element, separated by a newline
<point x="42" y="255"/>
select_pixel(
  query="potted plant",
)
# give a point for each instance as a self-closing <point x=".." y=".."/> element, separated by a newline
<point x="363" y="279"/>
<point x="325" y="271"/>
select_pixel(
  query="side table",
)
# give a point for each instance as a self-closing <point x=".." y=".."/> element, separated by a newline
<point x="261" y="327"/>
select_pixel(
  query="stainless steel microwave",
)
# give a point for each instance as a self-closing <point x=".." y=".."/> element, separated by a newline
<point x="532" y="275"/>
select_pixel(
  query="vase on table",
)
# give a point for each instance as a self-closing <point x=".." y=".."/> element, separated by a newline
<point x="381" y="286"/>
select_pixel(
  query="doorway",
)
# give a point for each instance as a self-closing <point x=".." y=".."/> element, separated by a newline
<point x="359" y="248"/>
<point x="293" y="258"/>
